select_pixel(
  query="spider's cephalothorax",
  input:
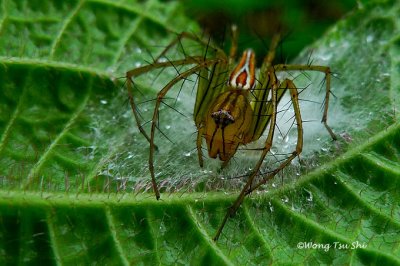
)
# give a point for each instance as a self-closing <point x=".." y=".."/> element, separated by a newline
<point x="228" y="121"/>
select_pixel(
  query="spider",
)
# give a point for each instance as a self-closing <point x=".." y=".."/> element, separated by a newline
<point x="233" y="107"/>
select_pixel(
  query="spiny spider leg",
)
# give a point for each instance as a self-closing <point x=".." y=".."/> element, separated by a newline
<point x="160" y="95"/>
<point x="233" y="50"/>
<point x="327" y="71"/>
<point x="299" y="146"/>
<point x="189" y="36"/>
<point x="141" y="70"/>
<point x="199" y="141"/>
<point x="248" y="188"/>
<point x="268" y="144"/>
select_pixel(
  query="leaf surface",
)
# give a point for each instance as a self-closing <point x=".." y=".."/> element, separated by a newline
<point x="73" y="166"/>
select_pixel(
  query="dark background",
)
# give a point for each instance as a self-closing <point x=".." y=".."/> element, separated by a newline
<point x="299" y="21"/>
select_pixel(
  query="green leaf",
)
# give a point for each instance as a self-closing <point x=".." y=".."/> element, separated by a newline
<point x="73" y="166"/>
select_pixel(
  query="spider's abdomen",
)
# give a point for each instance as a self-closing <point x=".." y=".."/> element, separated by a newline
<point x="243" y="76"/>
<point x="227" y="124"/>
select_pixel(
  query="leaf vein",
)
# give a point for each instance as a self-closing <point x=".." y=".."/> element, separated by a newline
<point x="64" y="26"/>
<point x="255" y="230"/>
<point x="205" y="236"/>
<point x="327" y="232"/>
<point x="35" y="169"/>
<point x="14" y="116"/>
<point x="340" y="177"/>
<point x="113" y="232"/>
<point x="52" y="236"/>
<point x="5" y="14"/>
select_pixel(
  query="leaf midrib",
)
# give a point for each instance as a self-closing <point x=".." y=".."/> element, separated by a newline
<point x="94" y="199"/>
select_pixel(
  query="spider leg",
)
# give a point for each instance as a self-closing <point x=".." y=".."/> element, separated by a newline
<point x="234" y="45"/>
<point x="199" y="141"/>
<point x="135" y="111"/>
<point x="185" y="35"/>
<point x="299" y="146"/>
<point x="141" y="70"/>
<point x="249" y="187"/>
<point x="327" y="71"/>
<point x="268" y="144"/>
<point x="211" y="83"/>
<point x="144" y="69"/>
<point x="271" y="51"/>
<point x="262" y="102"/>
<point x="160" y="96"/>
